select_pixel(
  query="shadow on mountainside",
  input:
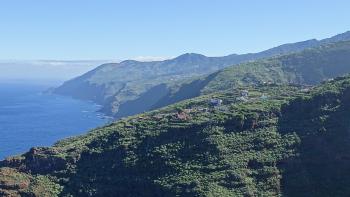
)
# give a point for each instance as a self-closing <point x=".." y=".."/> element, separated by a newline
<point x="323" y="165"/>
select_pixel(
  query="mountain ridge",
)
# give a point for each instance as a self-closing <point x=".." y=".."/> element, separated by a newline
<point x="117" y="84"/>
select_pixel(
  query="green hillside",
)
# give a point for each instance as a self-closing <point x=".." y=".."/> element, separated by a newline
<point x="309" y="67"/>
<point x="120" y="87"/>
<point x="277" y="140"/>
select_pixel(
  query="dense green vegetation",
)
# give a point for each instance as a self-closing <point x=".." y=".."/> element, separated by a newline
<point x="278" y="140"/>
<point x="321" y="120"/>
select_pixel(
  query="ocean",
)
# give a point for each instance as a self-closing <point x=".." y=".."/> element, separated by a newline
<point x="29" y="117"/>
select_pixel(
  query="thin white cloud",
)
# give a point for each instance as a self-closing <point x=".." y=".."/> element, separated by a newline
<point x="46" y="69"/>
<point x="150" y="58"/>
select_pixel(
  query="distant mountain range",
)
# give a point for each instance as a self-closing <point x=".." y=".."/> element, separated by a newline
<point x="131" y="87"/>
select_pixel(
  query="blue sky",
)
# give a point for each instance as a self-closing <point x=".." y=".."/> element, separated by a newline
<point x="106" y="29"/>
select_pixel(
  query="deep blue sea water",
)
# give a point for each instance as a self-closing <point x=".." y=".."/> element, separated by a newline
<point x="30" y="118"/>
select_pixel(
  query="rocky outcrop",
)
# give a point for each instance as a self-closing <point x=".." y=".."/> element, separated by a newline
<point x="39" y="160"/>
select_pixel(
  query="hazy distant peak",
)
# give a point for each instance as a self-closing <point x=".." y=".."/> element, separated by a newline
<point x="129" y="62"/>
<point x="190" y="57"/>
